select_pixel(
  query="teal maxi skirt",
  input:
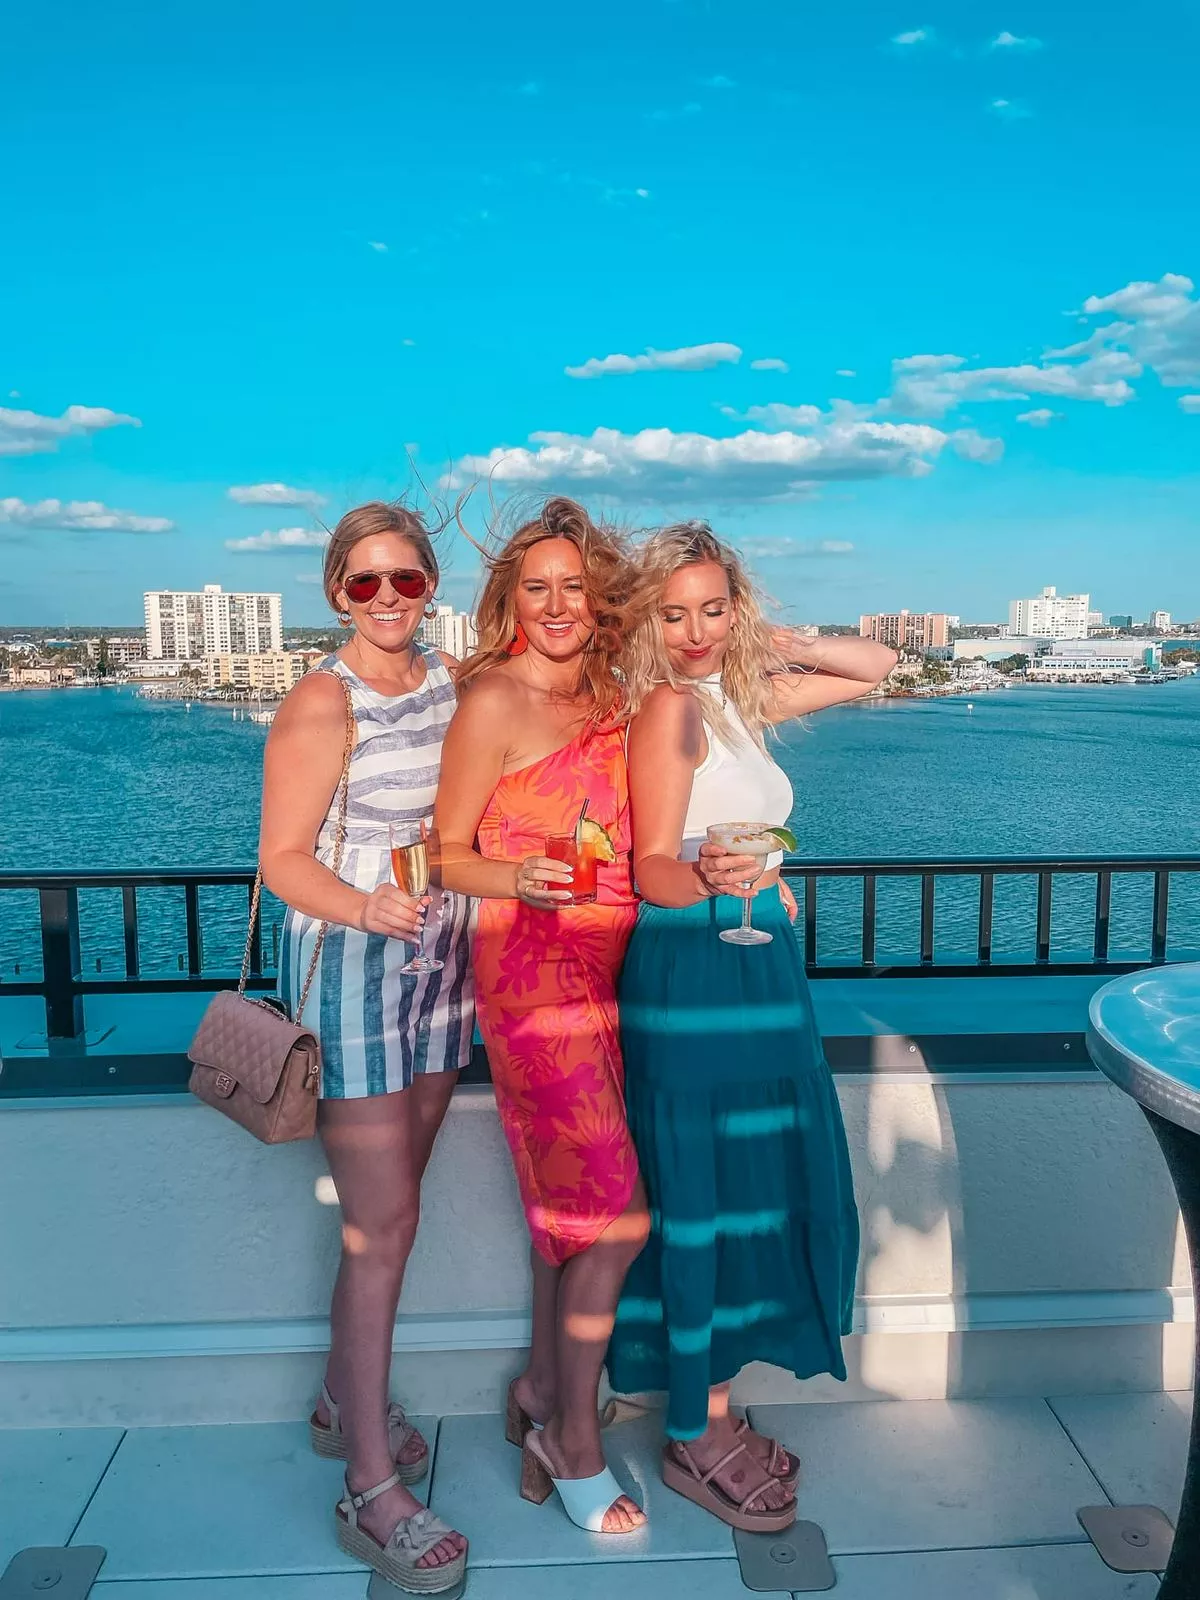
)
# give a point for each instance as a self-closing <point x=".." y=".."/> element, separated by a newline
<point x="754" y="1243"/>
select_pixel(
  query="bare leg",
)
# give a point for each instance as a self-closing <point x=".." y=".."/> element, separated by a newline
<point x="742" y="1474"/>
<point x="589" y="1289"/>
<point x="428" y="1100"/>
<point x="372" y="1147"/>
<point x="537" y="1387"/>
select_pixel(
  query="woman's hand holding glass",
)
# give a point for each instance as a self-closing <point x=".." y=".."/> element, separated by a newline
<point x="544" y="884"/>
<point x="723" y="873"/>
<point x="389" y="911"/>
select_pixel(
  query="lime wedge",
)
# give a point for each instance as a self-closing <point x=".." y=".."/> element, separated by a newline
<point x="785" y="836"/>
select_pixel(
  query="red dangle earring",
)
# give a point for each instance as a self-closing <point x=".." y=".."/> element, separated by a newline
<point x="520" y="642"/>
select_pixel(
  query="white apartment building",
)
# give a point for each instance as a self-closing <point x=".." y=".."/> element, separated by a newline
<point x="451" y="631"/>
<point x="1160" y="621"/>
<point x="1050" y="615"/>
<point x="185" y="625"/>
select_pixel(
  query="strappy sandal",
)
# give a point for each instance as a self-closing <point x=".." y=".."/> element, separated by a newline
<point x="780" y="1463"/>
<point x="587" y="1501"/>
<point x="681" y="1473"/>
<point x="329" y="1441"/>
<point x="411" y="1538"/>
<point x="518" y="1422"/>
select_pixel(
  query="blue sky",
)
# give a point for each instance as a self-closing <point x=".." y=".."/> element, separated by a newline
<point x="256" y="245"/>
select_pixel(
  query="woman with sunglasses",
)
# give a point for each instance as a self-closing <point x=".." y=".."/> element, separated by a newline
<point x="392" y="1039"/>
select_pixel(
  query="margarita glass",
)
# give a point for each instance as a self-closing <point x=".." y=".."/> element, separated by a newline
<point x="755" y="839"/>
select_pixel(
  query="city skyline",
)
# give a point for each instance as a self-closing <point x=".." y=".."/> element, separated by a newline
<point x="937" y="376"/>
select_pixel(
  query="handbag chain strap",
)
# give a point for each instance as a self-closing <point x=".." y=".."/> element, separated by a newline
<point x="339" y="844"/>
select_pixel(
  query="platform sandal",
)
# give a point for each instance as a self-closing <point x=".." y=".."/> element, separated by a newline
<point x="780" y="1463"/>
<point x="587" y="1501"/>
<point x="328" y="1440"/>
<point x="412" y="1537"/>
<point x="518" y="1422"/>
<point x="681" y="1473"/>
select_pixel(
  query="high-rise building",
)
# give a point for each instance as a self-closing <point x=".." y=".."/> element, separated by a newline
<point x="1160" y="620"/>
<point x="1095" y="619"/>
<point x="1121" y="620"/>
<point x="183" y="625"/>
<point x="1050" y="615"/>
<point x="451" y="631"/>
<point x="912" y="630"/>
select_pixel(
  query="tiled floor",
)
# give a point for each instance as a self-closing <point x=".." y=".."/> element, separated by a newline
<point x="971" y="1499"/>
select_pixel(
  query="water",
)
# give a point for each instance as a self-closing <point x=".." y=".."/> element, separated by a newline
<point x="103" y="779"/>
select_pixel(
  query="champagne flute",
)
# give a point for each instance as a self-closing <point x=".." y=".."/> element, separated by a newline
<point x="410" y="863"/>
<point x="745" y="839"/>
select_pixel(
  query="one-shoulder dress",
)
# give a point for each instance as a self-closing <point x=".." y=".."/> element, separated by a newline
<point x="546" y="997"/>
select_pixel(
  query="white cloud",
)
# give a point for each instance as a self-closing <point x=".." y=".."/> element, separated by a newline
<point x="691" y="358"/>
<point x="275" y="494"/>
<point x="718" y="81"/>
<point x="89" y="516"/>
<point x="642" y="194"/>
<point x="1010" y="41"/>
<point x="1160" y="326"/>
<point x="776" y="415"/>
<point x="279" y="540"/>
<point x="782" y="548"/>
<point x="27" y="433"/>
<point x="1010" y="110"/>
<point x="914" y="36"/>
<point x="657" y="464"/>
<point x="769" y="364"/>
<point x="971" y="445"/>
<point x="378" y="245"/>
<point x="1041" y="418"/>
<point x="930" y="385"/>
<point x="1190" y="403"/>
<point x="845" y="372"/>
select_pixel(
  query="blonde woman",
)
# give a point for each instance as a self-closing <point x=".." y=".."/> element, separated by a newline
<point x="754" y="1243"/>
<point x="392" y="1039"/>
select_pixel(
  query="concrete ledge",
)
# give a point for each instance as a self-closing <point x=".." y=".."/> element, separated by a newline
<point x="483" y="1330"/>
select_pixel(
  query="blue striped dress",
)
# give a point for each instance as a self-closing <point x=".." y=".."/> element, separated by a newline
<point x="379" y="1027"/>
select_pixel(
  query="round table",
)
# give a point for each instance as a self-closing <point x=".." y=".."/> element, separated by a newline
<point x="1144" y="1034"/>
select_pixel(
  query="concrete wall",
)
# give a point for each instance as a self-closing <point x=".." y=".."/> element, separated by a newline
<point x="156" y="1264"/>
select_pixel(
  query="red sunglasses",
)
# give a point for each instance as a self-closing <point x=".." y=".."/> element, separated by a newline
<point x="406" y="581"/>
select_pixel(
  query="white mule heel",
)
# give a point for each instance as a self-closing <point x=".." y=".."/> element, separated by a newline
<point x="587" y="1501"/>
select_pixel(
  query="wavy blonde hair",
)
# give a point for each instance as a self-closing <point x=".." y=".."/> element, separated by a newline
<point x="609" y="575"/>
<point x="750" y="656"/>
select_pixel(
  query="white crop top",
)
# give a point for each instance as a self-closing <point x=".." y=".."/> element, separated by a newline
<point x="734" y="783"/>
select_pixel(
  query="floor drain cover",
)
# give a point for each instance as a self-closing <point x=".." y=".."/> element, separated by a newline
<point x="54" y="1573"/>
<point x="795" y="1562"/>
<point x="1129" y="1538"/>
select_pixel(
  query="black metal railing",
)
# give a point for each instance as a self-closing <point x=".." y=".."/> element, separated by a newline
<point x="869" y="939"/>
<point x="1144" y="921"/>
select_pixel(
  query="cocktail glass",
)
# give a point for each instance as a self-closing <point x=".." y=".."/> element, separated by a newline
<point x="581" y="858"/>
<point x="745" y="839"/>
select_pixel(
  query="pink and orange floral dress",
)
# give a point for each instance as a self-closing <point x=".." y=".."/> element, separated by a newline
<point x="546" y="997"/>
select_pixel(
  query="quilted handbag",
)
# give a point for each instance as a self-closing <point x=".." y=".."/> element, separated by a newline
<point x="248" y="1059"/>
